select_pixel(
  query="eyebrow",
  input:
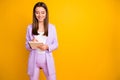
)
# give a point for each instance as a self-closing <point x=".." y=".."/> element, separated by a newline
<point x="39" y="11"/>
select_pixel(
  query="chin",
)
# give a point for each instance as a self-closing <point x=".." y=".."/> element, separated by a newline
<point x="40" y="20"/>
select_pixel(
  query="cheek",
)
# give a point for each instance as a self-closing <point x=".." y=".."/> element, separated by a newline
<point x="36" y="15"/>
<point x="44" y="15"/>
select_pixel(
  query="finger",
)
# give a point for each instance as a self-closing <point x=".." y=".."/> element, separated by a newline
<point x="36" y="40"/>
<point x="40" y="43"/>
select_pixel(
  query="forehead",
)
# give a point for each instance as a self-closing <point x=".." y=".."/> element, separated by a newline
<point x="39" y="9"/>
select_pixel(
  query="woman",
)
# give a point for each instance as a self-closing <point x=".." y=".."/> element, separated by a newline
<point x="41" y="31"/>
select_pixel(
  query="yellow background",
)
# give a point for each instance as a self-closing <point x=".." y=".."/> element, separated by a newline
<point x="88" y="34"/>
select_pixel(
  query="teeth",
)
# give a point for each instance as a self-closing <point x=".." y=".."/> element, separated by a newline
<point x="39" y="18"/>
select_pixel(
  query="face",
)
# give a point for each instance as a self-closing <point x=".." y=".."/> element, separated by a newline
<point x="40" y="14"/>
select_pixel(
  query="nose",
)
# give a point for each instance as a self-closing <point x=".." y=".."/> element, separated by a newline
<point x="40" y="14"/>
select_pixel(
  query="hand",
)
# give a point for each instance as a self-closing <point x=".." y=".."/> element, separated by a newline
<point x="43" y="47"/>
<point x="35" y="40"/>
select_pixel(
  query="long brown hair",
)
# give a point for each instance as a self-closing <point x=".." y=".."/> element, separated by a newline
<point x="35" y="21"/>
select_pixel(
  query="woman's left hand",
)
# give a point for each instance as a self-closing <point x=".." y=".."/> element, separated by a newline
<point x="43" y="47"/>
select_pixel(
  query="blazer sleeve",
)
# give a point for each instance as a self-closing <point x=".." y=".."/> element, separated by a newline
<point x="54" y="43"/>
<point x="28" y="39"/>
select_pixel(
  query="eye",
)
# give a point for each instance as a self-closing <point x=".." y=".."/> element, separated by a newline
<point x="36" y="12"/>
<point x="43" y="12"/>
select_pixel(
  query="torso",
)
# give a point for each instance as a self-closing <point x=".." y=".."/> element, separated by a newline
<point x="42" y="39"/>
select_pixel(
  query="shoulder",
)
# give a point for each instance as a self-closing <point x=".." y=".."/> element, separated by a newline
<point x="29" y="27"/>
<point x="51" y="26"/>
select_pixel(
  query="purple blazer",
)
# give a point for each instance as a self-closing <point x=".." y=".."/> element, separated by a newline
<point x="52" y="44"/>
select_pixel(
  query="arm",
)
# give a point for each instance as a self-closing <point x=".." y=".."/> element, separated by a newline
<point x="54" y="45"/>
<point x="28" y="39"/>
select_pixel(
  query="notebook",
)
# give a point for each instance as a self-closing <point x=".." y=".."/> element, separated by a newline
<point x="34" y="45"/>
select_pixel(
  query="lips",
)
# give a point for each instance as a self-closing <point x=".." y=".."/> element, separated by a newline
<point x="40" y="18"/>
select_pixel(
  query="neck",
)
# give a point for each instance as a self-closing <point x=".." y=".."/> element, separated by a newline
<point x="41" y="24"/>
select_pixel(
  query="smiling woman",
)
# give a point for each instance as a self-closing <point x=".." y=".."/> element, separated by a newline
<point x="45" y="33"/>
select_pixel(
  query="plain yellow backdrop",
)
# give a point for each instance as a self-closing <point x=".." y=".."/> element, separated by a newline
<point x="88" y="34"/>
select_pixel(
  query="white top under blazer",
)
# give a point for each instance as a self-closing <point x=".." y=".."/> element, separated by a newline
<point x="42" y="39"/>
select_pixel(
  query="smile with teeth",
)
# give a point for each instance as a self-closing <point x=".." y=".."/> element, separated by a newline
<point x="40" y="17"/>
